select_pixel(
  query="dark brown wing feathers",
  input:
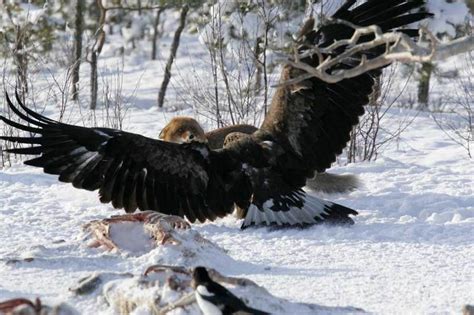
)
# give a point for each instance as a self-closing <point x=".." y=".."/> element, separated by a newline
<point x="314" y="118"/>
<point x="129" y="170"/>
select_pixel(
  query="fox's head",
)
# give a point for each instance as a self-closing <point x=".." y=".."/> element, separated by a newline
<point x="182" y="130"/>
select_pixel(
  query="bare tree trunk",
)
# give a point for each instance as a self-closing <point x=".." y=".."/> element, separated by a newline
<point x="174" y="48"/>
<point x="268" y="20"/>
<point x="94" y="80"/>
<point x="156" y="22"/>
<point x="96" y="49"/>
<point x="424" y="85"/>
<point x="258" y="66"/>
<point x="470" y="5"/>
<point x="264" y="65"/>
<point x="77" y="47"/>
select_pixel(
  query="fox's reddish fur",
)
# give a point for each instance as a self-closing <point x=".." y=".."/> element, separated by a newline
<point x="183" y="129"/>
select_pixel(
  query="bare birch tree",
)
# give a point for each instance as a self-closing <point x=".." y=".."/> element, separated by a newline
<point x="156" y="32"/>
<point x="95" y="51"/>
<point x="78" y="30"/>
<point x="173" y="50"/>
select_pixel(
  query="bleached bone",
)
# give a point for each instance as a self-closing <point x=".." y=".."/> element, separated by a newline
<point x="158" y="226"/>
<point x="20" y="306"/>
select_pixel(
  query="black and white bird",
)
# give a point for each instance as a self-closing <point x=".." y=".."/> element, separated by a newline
<point x="307" y="126"/>
<point x="214" y="299"/>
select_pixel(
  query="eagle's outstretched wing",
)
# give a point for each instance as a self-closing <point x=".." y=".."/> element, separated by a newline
<point x="314" y="118"/>
<point x="307" y="126"/>
<point x="132" y="171"/>
<point x="129" y="170"/>
<point x="309" y="123"/>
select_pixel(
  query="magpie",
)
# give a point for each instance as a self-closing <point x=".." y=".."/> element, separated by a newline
<point x="214" y="299"/>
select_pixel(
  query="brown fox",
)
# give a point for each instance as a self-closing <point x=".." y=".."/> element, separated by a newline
<point x="183" y="129"/>
<point x="186" y="129"/>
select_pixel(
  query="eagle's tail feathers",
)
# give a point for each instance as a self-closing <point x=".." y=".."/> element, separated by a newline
<point x="313" y="211"/>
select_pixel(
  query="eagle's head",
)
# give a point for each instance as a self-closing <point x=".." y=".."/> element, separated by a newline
<point x="183" y="130"/>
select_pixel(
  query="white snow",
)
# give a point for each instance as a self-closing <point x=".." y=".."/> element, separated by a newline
<point x="410" y="251"/>
<point x="131" y="237"/>
<point x="447" y="15"/>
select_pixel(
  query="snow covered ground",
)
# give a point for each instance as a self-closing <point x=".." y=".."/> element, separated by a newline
<point x="410" y="251"/>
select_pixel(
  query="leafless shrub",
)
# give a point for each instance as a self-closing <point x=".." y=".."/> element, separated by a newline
<point x="223" y="104"/>
<point x="113" y="105"/>
<point x="370" y="135"/>
<point x="62" y="54"/>
<point x="58" y="90"/>
<point x="235" y="87"/>
<point x="114" y="102"/>
<point x="457" y="120"/>
<point x="6" y="84"/>
<point x="55" y="89"/>
<point x="6" y="130"/>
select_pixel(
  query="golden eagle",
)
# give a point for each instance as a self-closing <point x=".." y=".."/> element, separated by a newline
<point x="183" y="129"/>
<point x="307" y="126"/>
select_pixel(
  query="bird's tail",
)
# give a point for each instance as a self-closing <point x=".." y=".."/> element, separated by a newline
<point x="333" y="183"/>
<point x="312" y="211"/>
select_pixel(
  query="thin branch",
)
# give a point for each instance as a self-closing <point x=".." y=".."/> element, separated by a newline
<point x="398" y="47"/>
<point x="134" y="8"/>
